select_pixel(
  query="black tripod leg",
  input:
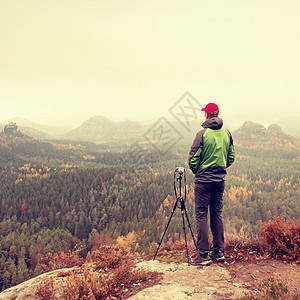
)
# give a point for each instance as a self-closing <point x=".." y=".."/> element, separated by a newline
<point x="166" y="228"/>
<point x="190" y="226"/>
<point x="183" y="226"/>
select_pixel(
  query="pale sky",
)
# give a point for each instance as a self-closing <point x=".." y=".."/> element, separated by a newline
<point x="63" y="61"/>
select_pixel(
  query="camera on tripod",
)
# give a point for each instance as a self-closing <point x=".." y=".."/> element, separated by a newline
<point x="179" y="170"/>
<point x="180" y="203"/>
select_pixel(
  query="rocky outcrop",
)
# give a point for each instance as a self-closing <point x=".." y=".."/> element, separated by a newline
<point x="11" y="128"/>
<point x="180" y="281"/>
<point x="253" y="135"/>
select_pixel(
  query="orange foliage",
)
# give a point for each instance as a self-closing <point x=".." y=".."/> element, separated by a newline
<point x="128" y="241"/>
<point x="236" y="193"/>
<point x="100" y="239"/>
<point x="45" y="290"/>
<point x="282" y="238"/>
<point x="108" y="272"/>
<point x="60" y="260"/>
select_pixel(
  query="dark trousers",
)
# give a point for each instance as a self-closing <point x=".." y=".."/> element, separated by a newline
<point x="209" y="195"/>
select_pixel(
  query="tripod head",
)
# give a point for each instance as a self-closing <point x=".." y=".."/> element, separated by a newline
<point x="181" y="172"/>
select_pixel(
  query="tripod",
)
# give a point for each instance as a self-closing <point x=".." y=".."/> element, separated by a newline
<point x="179" y="200"/>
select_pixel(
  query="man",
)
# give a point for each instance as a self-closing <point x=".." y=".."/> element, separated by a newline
<point x="211" y="153"/>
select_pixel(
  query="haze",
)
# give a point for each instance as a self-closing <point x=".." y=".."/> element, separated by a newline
<point x="63" y="61"/>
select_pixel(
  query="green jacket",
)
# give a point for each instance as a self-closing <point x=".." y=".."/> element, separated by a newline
<point x="212" y="152"/>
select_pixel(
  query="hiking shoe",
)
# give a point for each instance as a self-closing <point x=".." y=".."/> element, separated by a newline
<point x="201" y="261"/>
<point x="218" y="256"/>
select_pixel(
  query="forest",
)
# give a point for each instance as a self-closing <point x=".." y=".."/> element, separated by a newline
<point x="58" y="196"/>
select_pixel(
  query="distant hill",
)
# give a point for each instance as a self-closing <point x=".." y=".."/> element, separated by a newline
<point x="253" y="135"/>
<point x="29" y="130"/>
<point x="99" y="129"/>
<point x="39" y="131"/>
<point x="15" y="145"/>
<point x="35" y="133"/>
<point x="290" y="125"/>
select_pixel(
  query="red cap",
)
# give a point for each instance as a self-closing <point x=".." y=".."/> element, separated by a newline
<point x="211" y="108"/>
